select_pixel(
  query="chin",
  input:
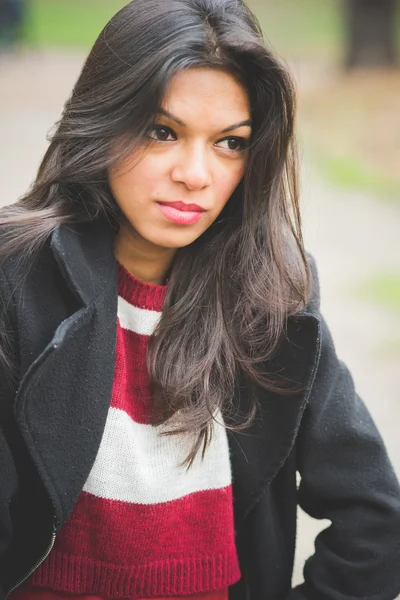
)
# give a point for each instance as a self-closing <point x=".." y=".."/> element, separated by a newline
<point x="174" y="236"/>
<point x="173" y="241"/>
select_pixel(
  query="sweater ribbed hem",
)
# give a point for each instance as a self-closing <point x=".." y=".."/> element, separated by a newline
<point x="139" y="293"/>
<point x="175" y="577"/>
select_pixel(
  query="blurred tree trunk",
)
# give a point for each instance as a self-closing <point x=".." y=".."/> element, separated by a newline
<point x="371" y="33"/>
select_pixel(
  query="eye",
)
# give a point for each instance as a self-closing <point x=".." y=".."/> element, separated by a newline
<point x="235" y="144"/>
<point x="161" y="133"/>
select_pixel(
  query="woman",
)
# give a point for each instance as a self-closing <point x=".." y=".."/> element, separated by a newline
<point x="166" y="371"/>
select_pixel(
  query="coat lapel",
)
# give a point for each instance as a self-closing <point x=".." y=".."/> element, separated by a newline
<point x="259" y="452"/>
<point x="63" y="399"/>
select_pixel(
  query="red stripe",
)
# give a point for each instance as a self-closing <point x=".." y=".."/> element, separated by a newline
<point x="138" y="293"/>
<point x="131" y="388"/>
<point x="41" y="594"/>
<point x="174" y="548"/>
<point x="199" y="524"/>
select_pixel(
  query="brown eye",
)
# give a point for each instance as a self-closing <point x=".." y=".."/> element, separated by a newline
<point x="235" y="144"/>
<point x="162" y="133"/>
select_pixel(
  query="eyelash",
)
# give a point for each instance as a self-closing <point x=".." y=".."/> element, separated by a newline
<point x="243" y="142"/>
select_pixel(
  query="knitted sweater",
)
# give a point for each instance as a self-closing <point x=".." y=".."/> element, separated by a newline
<point x="144" y="526"/>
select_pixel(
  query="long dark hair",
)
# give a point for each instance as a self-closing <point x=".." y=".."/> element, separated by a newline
<point x="230" y="292"/>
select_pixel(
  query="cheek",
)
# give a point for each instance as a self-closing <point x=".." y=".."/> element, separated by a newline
<point x="226" y="184"/>
<point x="135" y="182"/>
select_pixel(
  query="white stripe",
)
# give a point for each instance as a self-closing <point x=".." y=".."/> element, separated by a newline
<point x="136" y="464"/>
<point x="140" y="320"/>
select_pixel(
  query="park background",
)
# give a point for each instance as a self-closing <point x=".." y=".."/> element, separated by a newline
<point x="349" y="143"/>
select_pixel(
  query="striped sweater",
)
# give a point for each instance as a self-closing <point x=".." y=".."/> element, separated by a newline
<point x="144" y="526"/>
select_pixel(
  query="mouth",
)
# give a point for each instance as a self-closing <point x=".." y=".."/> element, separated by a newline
<point x="182" y="206"/>
<point x="181" y="213"/>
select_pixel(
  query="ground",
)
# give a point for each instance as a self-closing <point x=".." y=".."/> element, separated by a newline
<point x="354" y="236"/>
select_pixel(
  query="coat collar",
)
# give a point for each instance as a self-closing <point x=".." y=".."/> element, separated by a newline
<point x="85" y="255"/>
<point x="258" y="453"/>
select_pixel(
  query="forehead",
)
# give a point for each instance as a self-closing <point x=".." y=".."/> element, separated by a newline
<point x="208" y="94"/>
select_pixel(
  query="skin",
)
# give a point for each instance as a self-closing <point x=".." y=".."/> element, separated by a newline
<point x="190" y="159"/>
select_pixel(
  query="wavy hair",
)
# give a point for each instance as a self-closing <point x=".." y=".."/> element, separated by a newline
<point x="231" y="291"/>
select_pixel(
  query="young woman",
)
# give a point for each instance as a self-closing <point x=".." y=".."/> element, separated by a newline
<point x="166" y="372"/>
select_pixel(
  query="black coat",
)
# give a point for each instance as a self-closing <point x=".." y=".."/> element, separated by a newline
<point x="62" y="318"/>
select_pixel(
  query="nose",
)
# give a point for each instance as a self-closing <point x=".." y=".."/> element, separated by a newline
<point x="192" y="168"/>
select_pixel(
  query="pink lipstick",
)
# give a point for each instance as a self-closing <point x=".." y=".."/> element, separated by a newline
<point x="179" y="212"/>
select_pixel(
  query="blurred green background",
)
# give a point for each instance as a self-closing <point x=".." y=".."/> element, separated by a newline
<point x="300" y="28"/>
<point x="296" y="28"/>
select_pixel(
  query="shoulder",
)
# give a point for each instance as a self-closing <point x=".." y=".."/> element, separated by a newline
<point x="18" y="266"/>
<point x="31" y="286"/>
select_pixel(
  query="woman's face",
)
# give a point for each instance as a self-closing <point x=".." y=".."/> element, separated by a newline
<point x="197" y="156"/>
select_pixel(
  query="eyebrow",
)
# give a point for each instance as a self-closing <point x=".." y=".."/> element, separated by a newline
<point x="166" y="113"/>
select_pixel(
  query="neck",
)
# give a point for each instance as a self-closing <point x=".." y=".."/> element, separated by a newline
<point x="145" y="261"/>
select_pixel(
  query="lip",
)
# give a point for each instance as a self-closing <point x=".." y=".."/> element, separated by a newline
<point x="181" y="217"/>
<point x="183" y="206"/>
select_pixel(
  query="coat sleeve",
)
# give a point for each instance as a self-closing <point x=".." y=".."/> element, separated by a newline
<point x="346" y="477"/>
<point x="8" y="471"/>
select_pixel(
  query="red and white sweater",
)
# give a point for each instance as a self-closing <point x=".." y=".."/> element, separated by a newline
<point x="144" y="526"/>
